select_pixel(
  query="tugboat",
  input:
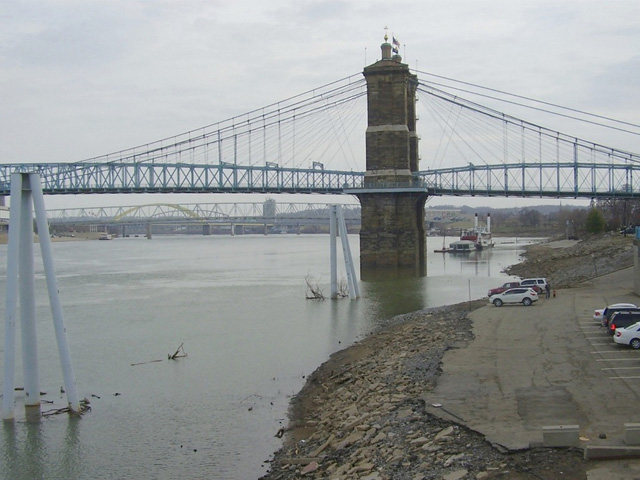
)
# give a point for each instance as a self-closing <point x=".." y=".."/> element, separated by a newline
<point x="480" y="236"/>
<point x="476" y="238"/>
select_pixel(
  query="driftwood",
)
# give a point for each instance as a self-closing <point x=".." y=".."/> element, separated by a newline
<point x="314" y="292"/>
<point x="84" y="407"/>
<point x="143" y="363"/>
<point x="179" y="353"/>
<point x="343" y="288"/>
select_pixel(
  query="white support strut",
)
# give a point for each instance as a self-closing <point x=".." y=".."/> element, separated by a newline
<point x="337" y="226"/>
<point x="27" y="287"/>
<point x="11" y="299"/>
<point x="354" y="291"/>
<point x="332" y="250"/>
<point x="25" y="190"/>
<point x="54" y="298"/>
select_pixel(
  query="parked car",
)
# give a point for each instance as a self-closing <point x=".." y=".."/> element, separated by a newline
<point x="598" y="314"/>
<point x="505" y="286"/>
<point x="525" y="295"/>
<point x="537" y="284"/>
<point x="622" y="319"/>
<point x="628" y="336"/>
<point x="609" y="311"/>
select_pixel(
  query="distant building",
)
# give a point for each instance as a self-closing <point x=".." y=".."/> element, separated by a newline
<point x="4" y="218"/>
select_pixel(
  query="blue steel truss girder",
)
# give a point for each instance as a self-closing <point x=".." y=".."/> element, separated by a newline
<point x="534" y="179"/>
<point x="552" y="179"/>
<point x="165" y="178"/>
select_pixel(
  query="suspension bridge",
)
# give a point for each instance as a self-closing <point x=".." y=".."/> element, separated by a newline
<point x="308" y="145"/>
<point x="289" y="147"/>
<point x="312" y="144"/>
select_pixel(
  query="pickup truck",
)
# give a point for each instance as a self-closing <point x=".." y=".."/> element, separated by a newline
<point x="504" y="287"/>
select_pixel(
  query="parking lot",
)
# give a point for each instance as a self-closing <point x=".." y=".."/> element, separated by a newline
<point x="546" y="364"/>
<point x="616" y="361"/>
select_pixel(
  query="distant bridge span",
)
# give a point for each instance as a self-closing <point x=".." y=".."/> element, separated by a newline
<point x="525" y="179"/>
<point x="206" y="213"/>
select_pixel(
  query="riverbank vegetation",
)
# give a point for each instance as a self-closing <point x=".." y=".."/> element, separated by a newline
<point x="602" y="215"/>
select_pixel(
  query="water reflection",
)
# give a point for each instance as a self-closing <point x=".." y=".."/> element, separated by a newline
<point x="386" y="273"/>
<point x="10" y="455"/>
<point x="389" y="297"/>
<point x="71" y="457"/>
<point x="33" y="448"/>
<point x="24" y="457"/>
<point x="344" y="324"/>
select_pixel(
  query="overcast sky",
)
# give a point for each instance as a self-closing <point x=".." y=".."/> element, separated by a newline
<point x="88" y="77"/>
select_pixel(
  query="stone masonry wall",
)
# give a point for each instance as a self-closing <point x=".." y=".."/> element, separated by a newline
<point x="392" y="233"/>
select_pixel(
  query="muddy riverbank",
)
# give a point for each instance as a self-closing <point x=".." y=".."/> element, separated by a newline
<point x="362" y="413"/>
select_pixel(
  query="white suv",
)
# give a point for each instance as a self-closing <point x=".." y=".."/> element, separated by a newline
<point x="538" y="284"/>
<point x="524" y="295"/>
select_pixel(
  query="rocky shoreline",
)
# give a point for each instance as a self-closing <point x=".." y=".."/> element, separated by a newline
<point x="363" y="415"/>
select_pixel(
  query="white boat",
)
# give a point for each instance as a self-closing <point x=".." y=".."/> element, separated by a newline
<point x="105" y="236"/>
<point x="480" y="236"/>
<point x="462" y="246"/>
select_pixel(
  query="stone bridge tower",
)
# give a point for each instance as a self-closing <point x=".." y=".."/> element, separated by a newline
<point x="393" y="234"/>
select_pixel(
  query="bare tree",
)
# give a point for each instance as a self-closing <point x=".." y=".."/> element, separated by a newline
<point x="530" y="217"/>
<point x="314" y="292"/>
<point x="343" y="288"/>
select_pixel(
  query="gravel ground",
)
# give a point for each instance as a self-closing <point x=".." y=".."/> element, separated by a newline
<point x="565" y="267"/>
<point x="361" y="414"/>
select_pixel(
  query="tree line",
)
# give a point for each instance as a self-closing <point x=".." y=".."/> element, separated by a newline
<point x="609" y="214"/>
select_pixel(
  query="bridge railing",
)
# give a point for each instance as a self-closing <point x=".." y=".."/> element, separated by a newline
<point x="75" y="178"/>
<point x="569" y="179"/>
<point x="535" y="179"/>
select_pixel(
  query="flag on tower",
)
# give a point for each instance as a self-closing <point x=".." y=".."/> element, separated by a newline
<point x="396" y="45"/>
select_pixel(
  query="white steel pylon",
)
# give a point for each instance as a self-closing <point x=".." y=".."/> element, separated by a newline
<point x="25" y="190"/>
<point x="336" y="222"/>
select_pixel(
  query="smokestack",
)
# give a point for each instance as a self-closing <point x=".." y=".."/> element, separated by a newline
<point x="488" y="223"/>
<point x="476" y="222"/>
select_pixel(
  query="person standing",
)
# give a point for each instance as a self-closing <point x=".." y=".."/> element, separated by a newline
<point x="547" y="289"/>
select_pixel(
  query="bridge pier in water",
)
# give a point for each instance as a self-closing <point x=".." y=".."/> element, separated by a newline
<point x="392" y="236"/>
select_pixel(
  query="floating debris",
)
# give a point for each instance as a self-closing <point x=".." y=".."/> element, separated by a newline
<point x="179" y="353"/>
<point x="143" y="363"/>
<point x="84" y="407"/>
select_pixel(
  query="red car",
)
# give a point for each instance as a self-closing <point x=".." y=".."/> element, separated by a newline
<point x="504" y="287"/>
